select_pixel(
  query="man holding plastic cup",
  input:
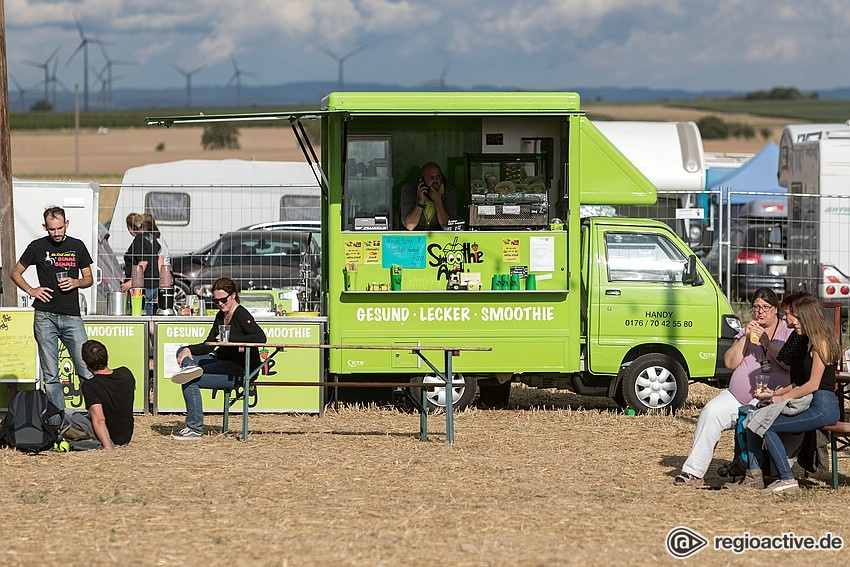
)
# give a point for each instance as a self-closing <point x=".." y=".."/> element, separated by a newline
<point x="63" y="266"/>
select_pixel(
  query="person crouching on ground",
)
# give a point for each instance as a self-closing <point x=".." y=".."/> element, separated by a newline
<point x="748" y="360"/>
<point x="109" y="400"/>
<point x="812" y="373"/>
<point x="214" y="368"/>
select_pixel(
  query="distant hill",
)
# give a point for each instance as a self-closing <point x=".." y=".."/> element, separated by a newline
<point x="311" y="93"/>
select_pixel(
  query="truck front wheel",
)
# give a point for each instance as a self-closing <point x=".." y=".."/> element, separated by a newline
<point x="462" y="395"/>
<point x="655" y="382"/>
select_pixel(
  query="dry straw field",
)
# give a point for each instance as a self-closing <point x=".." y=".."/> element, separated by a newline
<point x="554" y="479"/>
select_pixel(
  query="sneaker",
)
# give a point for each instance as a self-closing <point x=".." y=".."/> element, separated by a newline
<point x="187" y="434"/>
<point x="752" y="480"/>
<point x="785" y="486"/>
<point x="687" y="479"/>
<point x="186" y="375"/>
<point x="75" y="434"/>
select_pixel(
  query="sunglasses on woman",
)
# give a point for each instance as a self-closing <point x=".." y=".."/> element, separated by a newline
<point x="221" y="300"/>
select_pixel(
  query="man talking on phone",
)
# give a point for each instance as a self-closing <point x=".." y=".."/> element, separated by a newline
<point x="429" y="202"/>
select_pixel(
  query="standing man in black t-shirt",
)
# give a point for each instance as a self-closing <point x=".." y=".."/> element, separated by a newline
<point x="109" y="397"/>
<point x="56" y="302"/>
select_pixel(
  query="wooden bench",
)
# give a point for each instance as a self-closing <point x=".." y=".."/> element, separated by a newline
<point x="839" y="434"/>
<point x="839" y="439"/>
<point x="421" y="403"/>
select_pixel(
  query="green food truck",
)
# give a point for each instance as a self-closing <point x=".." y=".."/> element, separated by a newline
<point x="605" y="306"/>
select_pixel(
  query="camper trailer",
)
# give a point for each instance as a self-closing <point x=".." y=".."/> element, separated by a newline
<point x="80" y="201"/>
<point x="814" y="165"/>
<point x="670" y="155"/>
<point x="195" y="201"/>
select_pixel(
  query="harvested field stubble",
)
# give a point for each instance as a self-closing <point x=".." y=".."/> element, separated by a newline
<point x="576" y="483"/>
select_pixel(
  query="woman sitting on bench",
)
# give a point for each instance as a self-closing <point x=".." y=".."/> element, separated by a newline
<point x="812" y="377"/>
<point x="216" y="368"/>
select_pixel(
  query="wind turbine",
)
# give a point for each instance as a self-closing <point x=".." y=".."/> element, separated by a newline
<point x="22" y="92"/>
<point x="100" y="76"/>
<point x="108" y="68"/>
<point x="188" y="75"/>
<point x="340" y="61"/>
<point x="441" y="82"/>
<point x="237" y="76"/>
<point x="84" y="46"/>
<point x="46" y="67"/>
<point x="55" y="81"/>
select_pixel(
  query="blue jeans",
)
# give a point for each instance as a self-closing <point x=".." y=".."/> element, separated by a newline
<point x="151" y="300"/>
<point x="218" y="375"/>
<point x="822" y="411"/>
<point x="49" y="329"/>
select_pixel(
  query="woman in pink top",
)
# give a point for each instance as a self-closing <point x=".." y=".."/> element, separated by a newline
<point x="748" y="359"/>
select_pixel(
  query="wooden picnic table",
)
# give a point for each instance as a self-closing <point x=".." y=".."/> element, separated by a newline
<point x="446" y="374"/>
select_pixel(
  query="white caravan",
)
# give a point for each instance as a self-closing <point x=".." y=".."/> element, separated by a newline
<point x="814" y="165"/>
<point x="80" y="201"/>
<point x="195" y="201"/>
<point x="670" y="155"/>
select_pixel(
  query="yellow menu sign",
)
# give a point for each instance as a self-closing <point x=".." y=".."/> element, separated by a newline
<point x="18" y="353"/>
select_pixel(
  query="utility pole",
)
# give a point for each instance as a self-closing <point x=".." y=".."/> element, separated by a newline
<point x="7" y="211"/>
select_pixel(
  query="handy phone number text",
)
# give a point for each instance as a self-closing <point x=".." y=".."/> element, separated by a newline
<point x="658" y="323"/>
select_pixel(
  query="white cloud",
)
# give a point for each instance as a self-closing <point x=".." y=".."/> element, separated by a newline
<point x="551" y="43"/>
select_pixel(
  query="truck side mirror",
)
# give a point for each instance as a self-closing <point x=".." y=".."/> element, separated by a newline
<point x="690" y="276"/>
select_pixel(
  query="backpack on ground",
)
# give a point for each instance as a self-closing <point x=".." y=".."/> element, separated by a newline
<point x="26" y="426"/>
<point x="738" y="466"/>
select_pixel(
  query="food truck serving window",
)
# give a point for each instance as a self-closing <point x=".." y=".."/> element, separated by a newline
<point x="368" y="182"/>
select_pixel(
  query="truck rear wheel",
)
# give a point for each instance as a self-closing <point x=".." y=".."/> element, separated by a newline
<point x="462" y="396"/>
<point x="655" y="382"/>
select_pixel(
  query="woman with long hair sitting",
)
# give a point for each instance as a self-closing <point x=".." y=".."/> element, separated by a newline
<point x="812" y="373"/>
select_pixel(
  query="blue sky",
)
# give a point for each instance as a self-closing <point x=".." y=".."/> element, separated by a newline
<point x="533" y="44"/>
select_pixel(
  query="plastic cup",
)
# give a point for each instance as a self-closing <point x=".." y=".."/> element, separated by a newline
<point x="514" y="282"/>
<point x="531" y="281"/>
<point x="754" y="338"/>
<point x="136" y="304"/>
<point x="61" y="276"/>
<point x="137" y="276"/>
<point x="761" y="383"/>
<point x="224" y="333"/>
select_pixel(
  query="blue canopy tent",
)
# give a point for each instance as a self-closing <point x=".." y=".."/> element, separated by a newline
<point x="757" y="175"/>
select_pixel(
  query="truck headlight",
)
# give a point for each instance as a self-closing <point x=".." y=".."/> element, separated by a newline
<point x="734" y="323"/>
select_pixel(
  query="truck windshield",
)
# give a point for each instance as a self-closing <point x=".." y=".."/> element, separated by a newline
<point x="643" y="257"/>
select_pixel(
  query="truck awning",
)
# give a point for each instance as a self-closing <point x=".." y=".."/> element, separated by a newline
<point x="294" y="119"/>
<point x="168" y="121"/>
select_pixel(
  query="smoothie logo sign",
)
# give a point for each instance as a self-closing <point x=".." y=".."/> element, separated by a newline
<point x="68" y="377"/>
<point x="450" y="258"/>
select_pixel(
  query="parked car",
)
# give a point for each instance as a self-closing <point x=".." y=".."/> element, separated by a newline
<point x="109" y="273"/>
<point x="308" y="225"/>
<point x="185" y="268"/>
<point x="264" y="259"/>
<point x="757" y="255"/>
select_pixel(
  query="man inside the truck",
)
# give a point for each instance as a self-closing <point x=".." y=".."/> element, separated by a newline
<point x="428" y="203"/>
